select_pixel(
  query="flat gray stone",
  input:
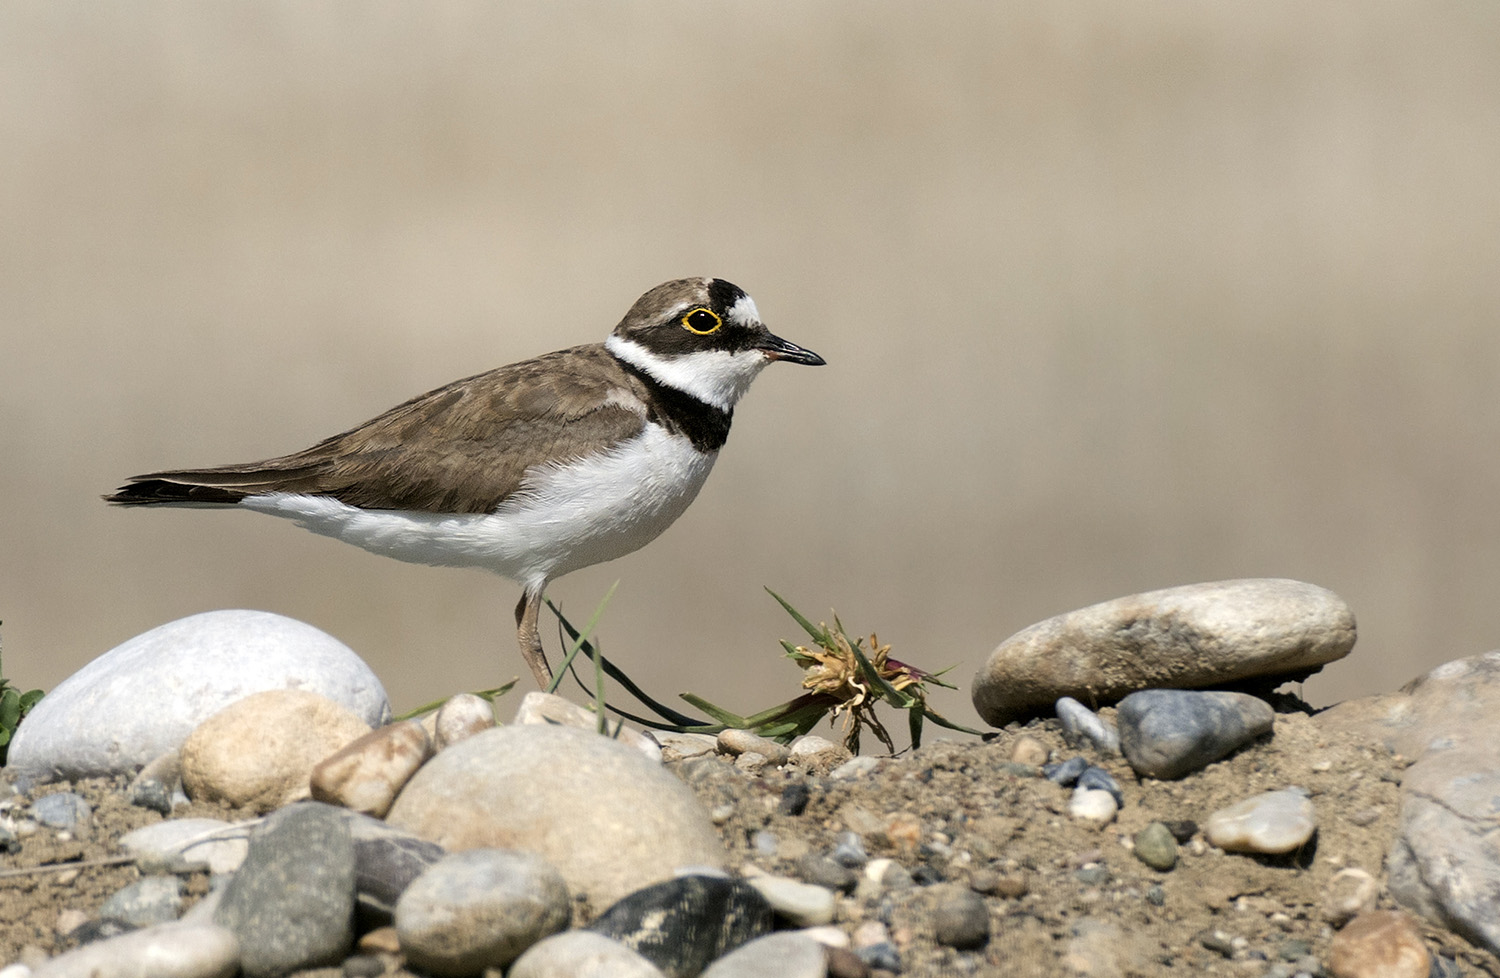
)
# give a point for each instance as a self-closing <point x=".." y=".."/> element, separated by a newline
<point x="784" y="955"/>
<point x="582" y="954"/>
<point x="93" y="723"/>
<point x="291" y="904"/>
<point x="1169" y="733"/>
<point x="220" y="845"/>
<point x="610" y="819"/>
<point x="1183" y="637"/>
<point x="175" y="950"/>
<point x="479" y="909"/>
<point x="148" y="901"/>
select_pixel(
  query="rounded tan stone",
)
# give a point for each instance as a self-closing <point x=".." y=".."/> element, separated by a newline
<point x="259" y="752"/>
<point x="610" y="819"/>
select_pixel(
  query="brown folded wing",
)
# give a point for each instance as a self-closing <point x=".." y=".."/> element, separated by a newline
<point x="462" y="448"/>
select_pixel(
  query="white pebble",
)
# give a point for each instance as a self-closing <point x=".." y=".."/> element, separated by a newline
<point x="1093" y="805"/>
<point x="1273" y="822"/>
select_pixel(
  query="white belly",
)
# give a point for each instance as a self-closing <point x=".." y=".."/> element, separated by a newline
<point x="568" y="516"/>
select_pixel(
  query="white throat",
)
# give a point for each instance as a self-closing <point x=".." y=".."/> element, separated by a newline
<point x="715" y="377"/>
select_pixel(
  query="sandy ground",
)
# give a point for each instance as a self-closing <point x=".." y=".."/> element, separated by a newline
<point x="975" y="814"/>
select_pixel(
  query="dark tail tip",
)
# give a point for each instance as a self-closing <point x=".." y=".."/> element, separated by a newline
<point x="147" y="492"/>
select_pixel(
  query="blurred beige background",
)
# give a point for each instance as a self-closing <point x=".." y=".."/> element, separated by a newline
<point x="1114" y="297"/>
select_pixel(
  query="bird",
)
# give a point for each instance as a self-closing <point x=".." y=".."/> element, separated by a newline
<point x="531" y="470"/>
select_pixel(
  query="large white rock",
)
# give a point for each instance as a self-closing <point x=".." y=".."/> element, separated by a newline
<point x="610" y="820"/>
<point x="141" y="699"/>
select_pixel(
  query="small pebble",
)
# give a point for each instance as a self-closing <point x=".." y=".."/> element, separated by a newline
<point x="63" y="810"/>
<point x="959" y="917"/>
<point x="1066" y="773"/>
<point x="1081" y="726"/>
<point x="1182" y="829"/>
<point x="800" y="904"/>
<point x="818" y="754"/>
<point x="765" y="843"/>
<point x="883" y="957"/>
<point x="1155" y="846"/>
<point x="857" y="768"/>
<point x="849" y="850"/>
<point x="1217" y="941"/>
<point x="751" y="763"/>
<point x="1270" y="823"/>
<point x="461" y="717"/>
<point x="1093" y="805"/>
<point x="823" y="871"/>
<point x="1093" y="875"/>
<point x="794" y="799"/>
<point x="1350" y="892"/>
<point x="1102" y="780"/>
<point x="904" y="831"/>
<point x="148" y="901"/>
<point x="739" y="742"/>
<point x="363" y="966"/>
<point x="1029" y="751"/>
<point x="889" y="874"/>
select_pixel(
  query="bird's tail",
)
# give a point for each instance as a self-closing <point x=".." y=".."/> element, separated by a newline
<point x="223" y="486"/>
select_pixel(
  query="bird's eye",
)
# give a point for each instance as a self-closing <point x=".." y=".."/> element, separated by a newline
<point x="702" y="321"/>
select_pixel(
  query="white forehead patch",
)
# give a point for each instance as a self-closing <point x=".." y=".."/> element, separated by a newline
<point x="744" y="312"/>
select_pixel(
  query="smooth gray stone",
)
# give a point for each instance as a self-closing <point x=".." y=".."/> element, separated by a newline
<point x="479" y="909"/>
<point x="682" y="924"/>
<point x="386" y="861"/>
<point x="783" y="955"/>
<point x="1081" y="726"/>
<point x="291" y="904"/>
<point x="141" y="699"/>
<point x="1168" y="733"/>
<point x="582" y="954"/>
<point x="173" y="950"/>
<point x="63" y="810"/>
<point x="206" y="840"/>
<point x="148" y="901"/>
<point x="1183" y="637"/>
<point x="959" y="917"/>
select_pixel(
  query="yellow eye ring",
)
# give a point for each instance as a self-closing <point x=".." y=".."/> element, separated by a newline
<point x="701" y="321"/>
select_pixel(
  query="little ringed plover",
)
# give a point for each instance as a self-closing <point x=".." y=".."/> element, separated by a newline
<point x="530" y="470"/>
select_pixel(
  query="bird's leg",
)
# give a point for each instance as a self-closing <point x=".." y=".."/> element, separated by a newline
<point x="528" y="609"/>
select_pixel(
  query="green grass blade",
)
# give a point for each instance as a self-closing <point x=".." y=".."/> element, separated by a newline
<point x="582" y="637"/>
<point x="819" y="635"/>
